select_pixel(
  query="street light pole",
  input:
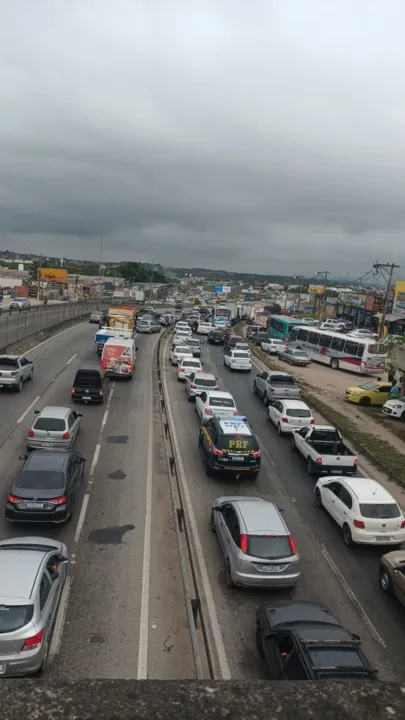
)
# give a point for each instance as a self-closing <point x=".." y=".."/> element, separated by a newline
<point x="100" y="267"/>
<point x="325" y="274"/>
<point x="300" y="278"/>
<point x="151" y="281"/>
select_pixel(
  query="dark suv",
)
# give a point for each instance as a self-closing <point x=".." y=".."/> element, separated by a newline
<point x="90" y="385"/>
<point x="229" y="446"/>
<point x="215" y="337"/>
<point x="304" y="641"/>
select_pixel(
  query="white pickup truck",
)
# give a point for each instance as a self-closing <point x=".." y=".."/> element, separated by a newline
<point x="323" y="448"/>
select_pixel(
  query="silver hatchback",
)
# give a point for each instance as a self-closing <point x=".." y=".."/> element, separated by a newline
<point x="55" y="427"/>
<point x="258" y="547"/>
<point x="33" y="572"/>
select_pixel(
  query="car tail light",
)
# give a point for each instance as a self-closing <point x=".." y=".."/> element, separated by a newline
<point x="356" y="461"/>
<point x="208" y="411"/>
<point x="272" y="390"/>
<point x="243" y="543"/>
<point x="34" y="641"/>
<point x="13" y="499"/>
<point x="217" y="452"/>
<point x="257" y="454"/>
<point x="284" y="420"/>
<point x="101" y="392"/>
<point x="319" y="461"/>
<point x="193" y="387"/>
<point x="181" y="369"/>
<point x="292" y="545"/>
<point x="359" y="524"/>
<point x="312" y="422"/>
<point x="73" y="390"/>
<point x="31" y="433"/>
<point x="217" y="387"/>
<point x="58" y="501"/>
<point x="175" y="357"/>
<point x="13" y="374"/>
<point x="234" y="361"/>
<point x="236" y="413"/>
<point x="65" y="436"/>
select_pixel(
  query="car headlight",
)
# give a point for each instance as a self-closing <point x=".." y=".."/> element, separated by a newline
<point x="396" y="407"/>
<point x="355" y="394"/>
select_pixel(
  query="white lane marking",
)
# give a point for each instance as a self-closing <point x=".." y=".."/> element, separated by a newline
<point x="34" y="402"/>
<point x="72" y="358"/>
<point x="142" y="672"/>
<point x="82" y="517"/>
<point x="195" y="538"/>
<point x="95" y="459"/>
<point x="105" y="416"/>
<point x="56" y="640"/>
<point x="352" y="597"/>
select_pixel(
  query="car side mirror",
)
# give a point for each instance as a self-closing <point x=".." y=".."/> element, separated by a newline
<point x="83" y="460"/>
<point x="217" y="508"/>
<point x="79" y="415"/>
<point x="64" y="560"/>
<point x="36" y="412"/>
<point x="281" y="511"/>
<point x="23" y="457"/>
<point x="137" y="348"/>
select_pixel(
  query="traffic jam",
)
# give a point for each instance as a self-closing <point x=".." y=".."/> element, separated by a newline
<point x="258" y="548"/>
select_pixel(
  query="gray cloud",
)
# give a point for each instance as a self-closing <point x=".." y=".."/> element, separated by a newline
<point x="257" y="135"/>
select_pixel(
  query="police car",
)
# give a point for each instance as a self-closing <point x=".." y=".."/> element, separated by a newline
<point x="229" y="446"/>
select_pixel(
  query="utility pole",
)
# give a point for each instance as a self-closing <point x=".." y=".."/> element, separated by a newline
<point x="391" y="267"/>
<point x="325" y="274"/>
<point x="100" y="269"/>
<point x="151" y="280"/>
<point x="300" y="279"/>
<point x="39" y="278"/>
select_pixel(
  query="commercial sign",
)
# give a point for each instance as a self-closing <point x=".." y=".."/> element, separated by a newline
<point x="369" y="303"/>
<point x="58" y="275"/>
<point x="350" y="298"/>
<point x="399" y="297"/>
<point x="316" y="289"/>
<point x="258" y="284"/>
<point x="226" y="289"/>
<point x="218" y="288"/>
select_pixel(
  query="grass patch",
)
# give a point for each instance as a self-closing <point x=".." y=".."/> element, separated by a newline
<point x="396" y="426"/>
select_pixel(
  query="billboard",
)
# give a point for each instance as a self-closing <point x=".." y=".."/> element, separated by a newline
<point x="226" y="289"/>
<point x="316" y="289"/>
<point x="399" y="297"/>
<point x="352" y="298"/>
<point x="58" y="275"/>
<point x="218" y="288"/>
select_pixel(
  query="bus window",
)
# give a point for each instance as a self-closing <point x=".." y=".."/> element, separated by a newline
<point x="313" y="338"/>
<point x="338" y="344"/>
<point x="325" y="341"/>
<point x="293" y="334"/>
<point x="302" y="334"/>
<point x="351" y="348"/>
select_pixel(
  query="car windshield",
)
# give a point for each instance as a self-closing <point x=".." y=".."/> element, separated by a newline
<point x="185" y="350"/>
<point x="335" y="657"/>
<point x="281" y="380"/>
<point x="378" y="511"/>
<point x="298" y="353"/>
<point x="49" y="424"/>
<point x="276" y="342"/>
<point x="190" y="363"/>
<point x="6" y="362"/>
<point x="41" y="480"/>
<point x="88" y="379"/>
<point x="298" y="412"/>
<point x="14" y="617"/>
<point x="370" y="386"/>
<point x="204" y="382"/>
<point x="244" y="355"/>
<point x="269" y="547"/>
<point x="194" y="343"/>
<point x="221" y="402"/>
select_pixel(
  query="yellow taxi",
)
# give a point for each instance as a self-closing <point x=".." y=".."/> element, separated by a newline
<point x="371" y="393"/>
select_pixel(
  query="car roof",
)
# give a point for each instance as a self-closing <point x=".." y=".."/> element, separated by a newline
<point x="236" y="426"/>
<point x="9" y="357"/>
<point x="260" y="516"/>
<point x="219" y="393"/>
<point x="18" y="570"/>
<point x="300" y="613"/>
<point x="205" y="376"/>
<point x="89" y="368"/>
<point x="295" y="404"/>
<point x="47" y="460"/>
<point x="367" y="490"/>
<point x="54" y="411"/>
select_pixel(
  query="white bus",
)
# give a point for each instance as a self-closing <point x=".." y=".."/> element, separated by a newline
<point x="221" y="316"/>
<point x="339" y="350"/>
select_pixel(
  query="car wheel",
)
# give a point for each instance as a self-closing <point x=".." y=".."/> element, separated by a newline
<point x="318" y="498"/>
<point x="266" y="400"/>
<point x="31" y="375"/>
<point x="259" y="645"/>
<point x="212" y="522"/>
<point x="310" y="467"/>
<point x="403" y="416"/>
<point x="385" y="581"/>
<point x="334" y="364"/>
<point x="347" y="536"/>
<point x="254" y="475"/>
<point x="208" y="470"/>
<point x="255" y="389"/>
<point x="293" y="445"/>
<point x="19" y="386"/>
<point x="228" y="575"/>
<point x="279" y="431"/>
<point x="365" y="401"/>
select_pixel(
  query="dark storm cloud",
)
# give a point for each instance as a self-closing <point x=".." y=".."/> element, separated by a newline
<point x="232" y="134"/>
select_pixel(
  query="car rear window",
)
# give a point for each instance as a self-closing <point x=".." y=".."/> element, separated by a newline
<point x="190" y="363"/>
<point x="204" y="382"/>
<point x="41" y="480"/>
<point x="269" y="547"/>
<point x="221" y="402"/>
<point x="298" y="413"/>
<point x="14" y="617"/>
<point x="281" y="380"/>
<point x="6" y="362"/>
<point x="182" y="349"/>
<point x="88" y="379"/>
<point x="335" y="657"/>
<point x="241" y="355"/>
<point x="49" y="424"/>
<point x="377" y="511"/>
<point x="237" y="443"/>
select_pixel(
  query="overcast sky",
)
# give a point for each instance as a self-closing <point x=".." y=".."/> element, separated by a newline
<point x="237" y="134"/>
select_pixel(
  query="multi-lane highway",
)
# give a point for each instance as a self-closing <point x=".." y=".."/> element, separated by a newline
<point x="123" y="614"/>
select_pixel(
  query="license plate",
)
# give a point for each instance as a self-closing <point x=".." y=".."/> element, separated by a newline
<point x="35" y="505"/>
<point x="237" y="458"/>
<point x="383" y="537"/>
<point x="267" y="566"/>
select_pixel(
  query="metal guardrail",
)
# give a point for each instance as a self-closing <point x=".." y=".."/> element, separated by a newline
<point x="18" y="325"/>
<point x="192" y="594"/>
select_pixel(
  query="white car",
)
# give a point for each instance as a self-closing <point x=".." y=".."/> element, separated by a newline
<point x="198" y="382"/>
<point x="181" y="325"/>
<point x="237" y="360"/>
<point x="178" y="353"/>
<point x="180" y="337"/>
<point x="365" y="511"/>
<point x="272" y="346"/>
<point x="204" y="328"/>
<point x="395" y="408"/>
<point x="289" y="415"/>
<point x="215" y="403"/>
<point x="188" y="366"/>
<point x="243" y="346"/>
<point x="363" y="333"/>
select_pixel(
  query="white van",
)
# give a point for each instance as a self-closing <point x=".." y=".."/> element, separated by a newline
<point x="119" y="356"/>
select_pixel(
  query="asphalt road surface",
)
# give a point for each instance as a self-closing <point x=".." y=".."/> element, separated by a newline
<point x="18" y="325"/>
<point x="346" y="580"/>
<point x="122" y="614"/>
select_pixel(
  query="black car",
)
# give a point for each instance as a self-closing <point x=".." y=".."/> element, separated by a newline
<point x="46" y="488"/>
<point x="89" y="385"/>
<point x="259" y="337"/>
<point x="301" y="640"/>
<point x="215" y="337"/>
<point x="229" y="446"/>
